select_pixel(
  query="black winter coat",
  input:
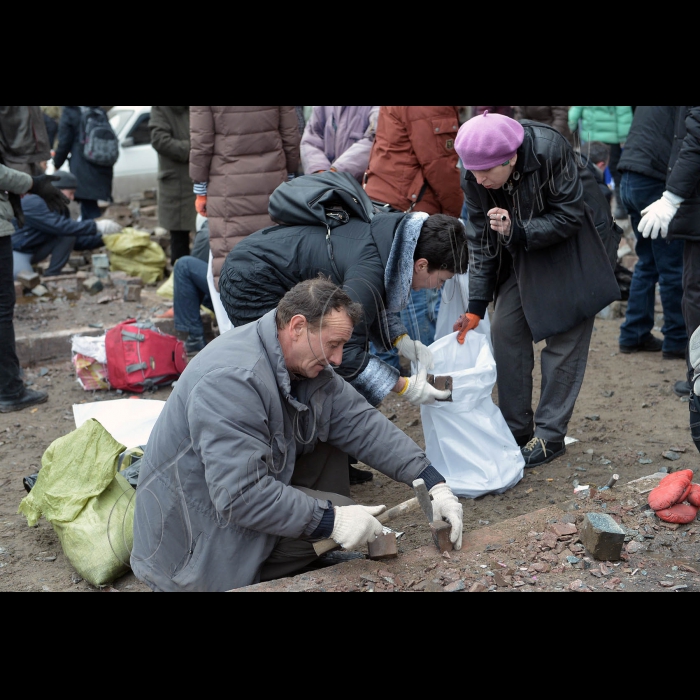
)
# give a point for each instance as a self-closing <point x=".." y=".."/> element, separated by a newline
<point x="94" y="181"/>
<point x="266" y="264"/>
<point x="555" y="249"/>
<point x="648" y="145"/>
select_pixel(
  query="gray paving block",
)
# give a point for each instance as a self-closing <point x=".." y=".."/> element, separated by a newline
<point x="602" y="536"/>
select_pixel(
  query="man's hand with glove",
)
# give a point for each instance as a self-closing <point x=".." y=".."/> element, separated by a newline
<point x="657" y="216"/>
<point x="200" y="204"/>
<point x="466" y="322"/>
<point x="414" y="350"/>
<point x="447" y="507"/>
<point x="107" y="226"/>
<point x="356" y="525"/>
<point x="54" y="198"/>
<point x="418" y="391"/>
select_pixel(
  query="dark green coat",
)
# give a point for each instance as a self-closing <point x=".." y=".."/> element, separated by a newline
<point x="170" y="136"/>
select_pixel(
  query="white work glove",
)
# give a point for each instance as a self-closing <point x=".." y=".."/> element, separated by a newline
<point x="447" y="507"/>
<point x="421" y="392"/>
<point x="107" y="226"/>
<point x="356" y="525"/>
<point x="657" y="216"/>
<point x="415" y="351"/>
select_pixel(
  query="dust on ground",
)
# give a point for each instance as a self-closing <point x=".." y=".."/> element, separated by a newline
<point x="626" y="417"/>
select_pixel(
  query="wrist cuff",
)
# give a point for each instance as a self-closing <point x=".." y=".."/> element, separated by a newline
<point x="396" y="342"/>
<point x="673" y="198"/>
<point x="478" y="307"/>
<point x="405" y="387"/>
<point x="325" y="527"/>
<point x="432" y="477"/>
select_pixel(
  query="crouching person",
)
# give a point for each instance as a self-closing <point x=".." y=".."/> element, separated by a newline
<point x="242" y="469"/>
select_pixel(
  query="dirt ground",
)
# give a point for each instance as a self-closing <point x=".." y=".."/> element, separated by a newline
<point x="526" y="539"/>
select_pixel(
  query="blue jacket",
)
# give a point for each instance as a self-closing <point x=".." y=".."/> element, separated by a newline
<point x="42" y="224"/>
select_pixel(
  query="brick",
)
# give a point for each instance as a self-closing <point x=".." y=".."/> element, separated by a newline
<point x="563" y="529"/>
<point x="132" y="292"/>
<point x="441" y="535"/>
<point x="602" y="536"/>
<point x="28" y="280"/>
<point x="384" y="547"/>
<point x="93" y="285"/>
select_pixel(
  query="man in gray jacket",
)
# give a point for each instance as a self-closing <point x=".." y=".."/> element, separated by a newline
<point x="246" y="464"/>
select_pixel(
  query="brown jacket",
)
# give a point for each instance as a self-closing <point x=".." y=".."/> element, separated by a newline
<point x="243" y="154"/>
<point x="558" y="117"/>
<point x="413" y="147"/>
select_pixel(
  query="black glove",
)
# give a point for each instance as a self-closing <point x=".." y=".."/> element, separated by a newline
<point x="54" y="198"/>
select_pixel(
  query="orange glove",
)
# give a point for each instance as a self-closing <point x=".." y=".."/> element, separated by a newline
<point x="679" y="513"/>
<point x="466" y="322"/>
<point x="200" y="204"/>
<point x="672" y="489"/>
<point x="694" y="495"/>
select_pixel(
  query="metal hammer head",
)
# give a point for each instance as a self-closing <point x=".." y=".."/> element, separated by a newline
<point x="423" y="498"/>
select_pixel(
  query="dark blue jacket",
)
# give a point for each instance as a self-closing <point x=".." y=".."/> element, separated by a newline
<point x="94" y="181"/>
<point x="41" y="224"/>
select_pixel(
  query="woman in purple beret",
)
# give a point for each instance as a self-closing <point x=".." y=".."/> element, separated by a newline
<point x="542" y="246"/>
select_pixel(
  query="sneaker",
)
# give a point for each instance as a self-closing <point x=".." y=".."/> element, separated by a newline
<point x="28" y="398"/>
<point x="649" y="344"/>
<point x="674" y="354"/>
<point x="522" y="440"/>
<point x="539" y="451"/>
<point x="359" y="476"/>
<point x="681" y="388"/>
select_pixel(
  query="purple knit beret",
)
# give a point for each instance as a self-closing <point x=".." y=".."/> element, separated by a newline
<point x="488" y="140"/>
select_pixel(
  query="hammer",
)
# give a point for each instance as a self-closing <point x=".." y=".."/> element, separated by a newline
<point x="323" y="546"/>
<point x="439" y="529"/>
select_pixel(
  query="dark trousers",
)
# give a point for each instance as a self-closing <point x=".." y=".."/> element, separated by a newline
<point x="658" y="260"/>
<point x="190" y="291"/>
<point x="11" y="386"/>
<point x="59" y="248"/>
<point x="322" y="474"/>
<point x="89" y="209"/>
<point x="691" y="314"/>
<point x="179" y="245"/>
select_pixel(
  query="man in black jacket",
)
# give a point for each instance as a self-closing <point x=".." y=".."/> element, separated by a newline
<point x="644" y="167"/>
<point x="48" y="233"/>
<point x="676" y="216"/>
<point x="543" y="246"/>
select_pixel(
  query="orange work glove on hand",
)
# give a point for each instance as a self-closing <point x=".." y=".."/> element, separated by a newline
<point x="466" y="322"/>
<point x="200" y="204"/>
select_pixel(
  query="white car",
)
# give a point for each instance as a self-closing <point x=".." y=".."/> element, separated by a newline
<point x="136" y="169"/>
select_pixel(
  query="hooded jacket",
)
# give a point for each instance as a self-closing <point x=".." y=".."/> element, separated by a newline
<point x="373" y="262"/>
<point x="214" y="495"/>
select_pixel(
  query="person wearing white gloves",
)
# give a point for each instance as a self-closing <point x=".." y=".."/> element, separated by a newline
<point x="43" y="232"/>
<point x="246" y="466"/>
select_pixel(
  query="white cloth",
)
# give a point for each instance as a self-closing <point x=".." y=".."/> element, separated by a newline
<point x="222" y="319"/>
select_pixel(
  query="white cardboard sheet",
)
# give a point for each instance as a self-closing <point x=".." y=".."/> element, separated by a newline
<point x="129" y="421"/>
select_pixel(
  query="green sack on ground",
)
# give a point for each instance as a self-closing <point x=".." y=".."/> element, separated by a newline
<point x="132" y="251"/>
<point x="89" y="505"/>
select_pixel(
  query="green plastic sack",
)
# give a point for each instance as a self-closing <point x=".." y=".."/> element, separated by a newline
<point x="89" y="505"/>
<point x="132" y="251"/>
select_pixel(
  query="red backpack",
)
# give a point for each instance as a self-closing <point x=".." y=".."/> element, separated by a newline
<point x="140" y="356"/>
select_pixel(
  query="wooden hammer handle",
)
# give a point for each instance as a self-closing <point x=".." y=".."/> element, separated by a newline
<point x="323" y="546"/>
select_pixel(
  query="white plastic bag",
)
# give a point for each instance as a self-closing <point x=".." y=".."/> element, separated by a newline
<point x="467" y="439"/>
<point x="453" y="302"/>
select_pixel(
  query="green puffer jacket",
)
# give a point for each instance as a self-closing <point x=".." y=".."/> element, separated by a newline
<point x="15" y="182"/>
<point x="606" y="124"/>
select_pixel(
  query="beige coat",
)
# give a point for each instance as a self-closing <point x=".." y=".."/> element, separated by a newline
<point x="243" y="154"/>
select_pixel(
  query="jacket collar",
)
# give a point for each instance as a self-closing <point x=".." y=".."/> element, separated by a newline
<point x="398" y="273"/>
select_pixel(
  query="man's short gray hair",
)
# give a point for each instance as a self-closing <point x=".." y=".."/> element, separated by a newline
<point x="313" y="299"/>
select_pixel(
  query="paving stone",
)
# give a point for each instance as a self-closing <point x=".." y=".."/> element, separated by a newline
<point x="602" y="536"/>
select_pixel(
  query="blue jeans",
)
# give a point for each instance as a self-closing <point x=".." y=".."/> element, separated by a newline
<point x="190" y="291"/>
<point x="419" y="317"/>
<point x="658" y="260"/>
